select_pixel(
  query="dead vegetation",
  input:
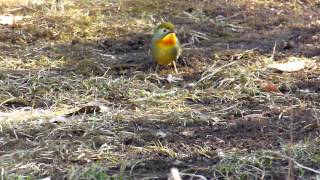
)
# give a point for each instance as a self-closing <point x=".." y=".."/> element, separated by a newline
<point x="80" y="99"/>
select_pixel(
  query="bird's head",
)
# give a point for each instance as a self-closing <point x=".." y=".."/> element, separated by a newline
<point x="163" y="30"/>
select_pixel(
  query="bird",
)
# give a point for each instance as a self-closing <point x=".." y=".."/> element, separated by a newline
<point x="165" y="47"/>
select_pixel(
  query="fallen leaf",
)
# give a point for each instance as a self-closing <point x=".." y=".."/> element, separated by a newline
<point x="269" y="87"/>
<point x="288" y="67"/>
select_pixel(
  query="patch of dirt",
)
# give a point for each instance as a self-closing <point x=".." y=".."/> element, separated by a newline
<point x="133" y="42"/>
<point x="306" y="90"/>
<point x="242" y="135"/>
<point x="312" y="85"/>
<point x="296" y="41"/>
<point x="18" y="144"/>
<point x="266" y="131"/>
<point x="157" y="166"/>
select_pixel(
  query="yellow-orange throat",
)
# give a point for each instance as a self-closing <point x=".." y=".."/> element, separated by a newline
<point x="168" y="41"/>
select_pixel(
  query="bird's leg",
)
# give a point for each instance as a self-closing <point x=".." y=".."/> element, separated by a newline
<point x="157" y="68"/>
<point x="175" y="67"/>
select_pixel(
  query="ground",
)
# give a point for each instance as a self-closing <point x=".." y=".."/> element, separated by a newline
<point x="80" y="98"/>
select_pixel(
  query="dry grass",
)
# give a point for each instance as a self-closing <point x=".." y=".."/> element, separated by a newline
<point x="215" y="119"/>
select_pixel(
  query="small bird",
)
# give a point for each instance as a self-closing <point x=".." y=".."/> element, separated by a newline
<point x="165" y="46"/>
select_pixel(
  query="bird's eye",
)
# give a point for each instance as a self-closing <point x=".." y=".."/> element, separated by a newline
<point x="164" y="30"/>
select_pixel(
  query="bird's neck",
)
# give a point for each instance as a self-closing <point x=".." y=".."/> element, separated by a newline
<point x="167" y="41"/>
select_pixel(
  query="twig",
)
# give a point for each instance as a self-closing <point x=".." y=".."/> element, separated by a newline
<point x="274" y="50"/>
<point x="8" y="100"/>
<point x="194" y="175"/>
<point x="302" y="166"/>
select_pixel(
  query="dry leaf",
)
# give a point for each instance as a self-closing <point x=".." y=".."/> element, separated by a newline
<point x="269" y="87"/>
<point x="288" y="67"/>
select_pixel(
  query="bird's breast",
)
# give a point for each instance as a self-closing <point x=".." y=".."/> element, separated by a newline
<point x="168" y="40"/>
<point x="166" y="50"/>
